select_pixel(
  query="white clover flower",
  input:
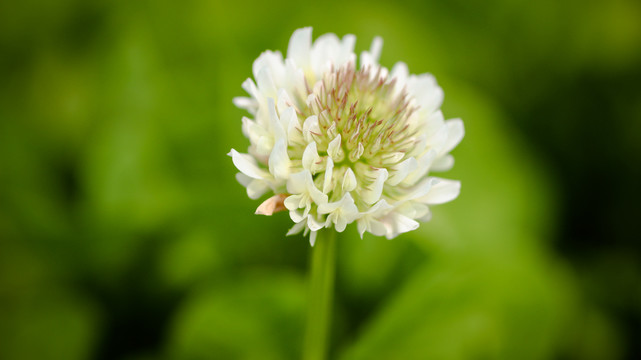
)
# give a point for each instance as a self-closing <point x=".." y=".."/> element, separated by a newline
<point x="338" y="143"/>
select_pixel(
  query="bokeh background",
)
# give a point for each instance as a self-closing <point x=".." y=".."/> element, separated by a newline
<point x="123" y="234"/>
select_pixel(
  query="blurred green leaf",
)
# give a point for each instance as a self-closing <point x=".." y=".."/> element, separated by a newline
<point x="40" y="317"/>
<point x="258" y="316"/>
<point x="187" y="260"/>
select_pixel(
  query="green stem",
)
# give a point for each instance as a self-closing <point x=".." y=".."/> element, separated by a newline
<point x="321" y="289"/>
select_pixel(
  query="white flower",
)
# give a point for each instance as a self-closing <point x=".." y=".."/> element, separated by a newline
<point x="336" y="143"/>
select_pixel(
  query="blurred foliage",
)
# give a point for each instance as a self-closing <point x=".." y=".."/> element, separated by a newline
<point x="123" y="234"/>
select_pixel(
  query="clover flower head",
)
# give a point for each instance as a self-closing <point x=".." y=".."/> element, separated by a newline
<point x="337" y="143"/>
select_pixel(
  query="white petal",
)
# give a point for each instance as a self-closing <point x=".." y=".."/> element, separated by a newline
<point x="274" y="121"/>
<point x="334" y="147"/>
<point x="373" y="193"/>
<point x="392" y="158"/>
<point x="426" y="92"/>
<point x="279" y="160"/>
<point x="349" y="180"/>
<point x="310" y="127"/>
<point x="297" y="183"/>
<point x="348" y="207"/>
<point x="312" y="238"/>
<point x="292" y="202"/>
<point x="361" y="225"/>
<point x="313" y="224"/>
<point x="356" y="154"/>
<point x="317" y="196"/>
<point x="412" y="209"/>
<point x="400" y="72"/>
<point x="400" y="224"/>
<point x="257" y="188"/>
<point x="297" y="216"/>
<point x="375" y="49"/>
<point x="294" y="135"/>
<point x="377" y="228"/>
<point x="310" y="156"/>
<point x="402" y="171"/>
<point x="249" y="86"/>
<point x="443" y="163"/>
<point x="370" y="58"/>
<point x="298" y="227"/>
<point x="379" y="209"/>
<point x="271" y="60"/>
<point x="366" y="60"/>
<point x="421" y="212"/>
<point x="405" y="224"/>
<point x="421" y="189"/>
<point x="434" y="122"/>
<point x="455" y="133"/>
<point x="265" y="82"/>
<point x="295" y="77"/>
<point x="246" y="103"/>
<point x="341" y="212"/>
<point x="424" y="164"/>
<point x="346" y="50"/>
<point x="243" y="179"/>
<point x="286" y="117"/>
<point x="247" y="165"/>
<point x="442" y="192"/>
<point x="425" y="217"/>
<point x="254" y="131"/>
<point x="247" y="126"/>
<point x="329" y="171"/>
<point x="283" y="102"/>
<point x="299" y="47"/>
<point x="438" y="140"/>
<point x="327" y="208"/>
<point x="341" y="224"/>
<point x="264" y="146"/>
<point x="324" y="52"/>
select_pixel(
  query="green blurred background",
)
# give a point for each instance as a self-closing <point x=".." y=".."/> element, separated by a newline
<point x="124" y="235"/>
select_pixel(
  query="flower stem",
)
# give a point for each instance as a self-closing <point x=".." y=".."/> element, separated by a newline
<point x="321" y="290"/>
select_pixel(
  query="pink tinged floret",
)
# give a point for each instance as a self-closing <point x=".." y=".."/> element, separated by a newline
<point x="272" y="205"/>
